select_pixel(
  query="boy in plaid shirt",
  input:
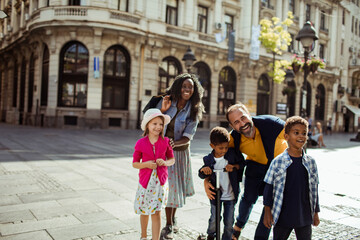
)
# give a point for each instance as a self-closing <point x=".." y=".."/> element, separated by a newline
<point x="291" y="191"/>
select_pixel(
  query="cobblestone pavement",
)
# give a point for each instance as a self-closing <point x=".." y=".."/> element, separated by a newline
<point x="79" y="184"/>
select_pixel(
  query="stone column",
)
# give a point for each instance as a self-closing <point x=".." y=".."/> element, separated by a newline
<point x="256" y="12"/>
<point x="333" y="23"/>
<point x="245" y="25"/>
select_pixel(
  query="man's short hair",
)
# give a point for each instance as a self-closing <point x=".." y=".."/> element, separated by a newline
<point x="219" y="135"/>
<point x="238" y="105"/>
<point x="291" y="121"/>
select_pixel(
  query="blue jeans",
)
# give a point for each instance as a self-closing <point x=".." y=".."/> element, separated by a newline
<point x="248" y="199"/>
<point x="282" y="233"/>
<point x="228" y="215"/>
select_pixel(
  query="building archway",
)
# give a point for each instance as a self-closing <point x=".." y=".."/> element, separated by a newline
<point x="203" y="73"/>
<point x="263" y="95"/>
<point x="291" y="97"/>
<point x="73" y="77"/>
<point x="116" y="78"/>
<point x="227" y="89"/>
<point x="320" y="103"/>
<point x="170" y="67"/>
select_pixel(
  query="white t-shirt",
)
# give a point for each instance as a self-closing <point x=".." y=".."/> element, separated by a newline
<point x="225" y="185"/>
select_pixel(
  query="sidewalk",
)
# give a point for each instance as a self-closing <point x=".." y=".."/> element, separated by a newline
<point x="80" y="184"/>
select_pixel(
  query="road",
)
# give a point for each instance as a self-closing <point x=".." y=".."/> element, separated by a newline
<point x="80" y="184"/>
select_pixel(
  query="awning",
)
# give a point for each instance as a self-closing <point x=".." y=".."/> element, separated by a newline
<point x="353" y="109"/>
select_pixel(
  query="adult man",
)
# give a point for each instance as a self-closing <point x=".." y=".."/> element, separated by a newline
<point x="261" y="139"/>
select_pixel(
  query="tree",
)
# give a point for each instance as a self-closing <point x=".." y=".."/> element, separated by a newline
<point x="275" y="38"/>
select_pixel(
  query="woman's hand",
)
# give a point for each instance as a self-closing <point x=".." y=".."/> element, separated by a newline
<point x="151" y="164"/>
<point x="166" y="103"/>
<point x="208" y="186"/>
<point x="172" y="143"/>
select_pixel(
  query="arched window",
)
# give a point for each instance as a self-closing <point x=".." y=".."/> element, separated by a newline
<point x="291" y="95"/>
<point x="227" y="89"/>
<point x="320" y="102"/>
<point x="116" y="78"/>
<point x="308" y="99"/>
<point x="22" y="85"/>
<point x="15" y="84"/>
<point x="263" y="94"/>
<point x="203" y="73"/>
<point x="169" y="69"/>
<point x="74" y="62"/>
<point x="45" y="77"/>
<point x="31" y="83"/>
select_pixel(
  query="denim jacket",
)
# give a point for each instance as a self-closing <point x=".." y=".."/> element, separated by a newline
<point x="184" y="125"/>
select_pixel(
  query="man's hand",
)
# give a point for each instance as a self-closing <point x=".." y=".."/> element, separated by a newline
<point x="208" y="186"/>
<point x="230" y="167"/>
<point x="206" y="170"/>
<point x="268" y="218"/>
<point x="316" y="221"/>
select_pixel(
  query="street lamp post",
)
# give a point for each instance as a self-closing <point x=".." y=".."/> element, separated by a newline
<point x="189" y="59"/>
<point x="307" y="36"/>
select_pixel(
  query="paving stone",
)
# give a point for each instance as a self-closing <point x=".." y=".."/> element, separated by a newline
<point x="60" y="211"/>
<point x="38" y="197"/>
<point x="21" y="189"/>
<point x="8" y="229"/>
<point x="38" y="235"/>
<point x="10" y="217"/>
<point x="86" y="230"/>
<point x="94" y="217"/>
<point x="16" y="166"/>
<point x="99" y="195"/>
<point x="9" y="200"/>
<point x="36" y="205"/>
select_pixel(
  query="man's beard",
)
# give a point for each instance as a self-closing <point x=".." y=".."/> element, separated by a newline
<point x="248" y="127"/>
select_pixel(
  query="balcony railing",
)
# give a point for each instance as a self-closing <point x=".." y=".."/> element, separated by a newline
<point x="71" y="12"/>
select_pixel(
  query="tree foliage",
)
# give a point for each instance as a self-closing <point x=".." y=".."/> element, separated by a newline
<point x="275" y="38"/>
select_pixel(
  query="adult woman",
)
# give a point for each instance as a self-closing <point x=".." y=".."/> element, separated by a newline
<point x="318" y="135"/>
<point x="183" y="104"/>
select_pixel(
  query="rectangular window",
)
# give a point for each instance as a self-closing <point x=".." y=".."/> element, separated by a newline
<point x="292" y="6"/>
<point x="229" y="23"/>
<point x="352" y="24"/>
<point x="356" y="26"/>
<point x="322" y="51"/>
<point x="171" y="12"/>
<point x="15" y="86"/>
<point x="202" y="19"/>
<point x="322" y="21"/>
<point x="307" y="12"/>
<point x="342" y="48"/>
<point x="74" y="2"/>
<point x="291" y="46"/>
<point x="343" y="17"/>
<point x="123" y="5"/>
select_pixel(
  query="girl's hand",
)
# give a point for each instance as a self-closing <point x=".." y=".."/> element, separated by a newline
<point x="229" y="168"/>
<point x="166" y="103"/>
<point x="151" y="164"/>
<point x="160" y="162"/>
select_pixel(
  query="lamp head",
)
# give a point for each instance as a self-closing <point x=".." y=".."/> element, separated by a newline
<point x="307" y="35"/>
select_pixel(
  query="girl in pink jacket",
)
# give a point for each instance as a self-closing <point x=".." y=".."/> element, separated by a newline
<point x="153" y="154"/>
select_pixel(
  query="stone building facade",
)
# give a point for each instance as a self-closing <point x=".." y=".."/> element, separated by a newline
<point x="95" y="64"/>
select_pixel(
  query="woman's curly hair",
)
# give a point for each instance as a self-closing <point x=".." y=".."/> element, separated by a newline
<point x="197" y="107"/>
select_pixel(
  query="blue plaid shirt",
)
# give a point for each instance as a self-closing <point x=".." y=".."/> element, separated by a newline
<point x="276" y="176"/>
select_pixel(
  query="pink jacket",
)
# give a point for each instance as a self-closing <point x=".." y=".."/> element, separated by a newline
<point x="144" y="151"/>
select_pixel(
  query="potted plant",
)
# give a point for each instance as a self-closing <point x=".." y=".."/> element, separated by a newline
<point x="296" y="63"/>
<point x="315" y="63"/>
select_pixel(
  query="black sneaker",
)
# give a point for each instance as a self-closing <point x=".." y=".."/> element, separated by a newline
<point x="175" y="226"/>
<point x="167" y="233"/>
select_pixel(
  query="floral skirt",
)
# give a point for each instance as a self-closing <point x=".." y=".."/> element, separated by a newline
<point x="151" y="199"/>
